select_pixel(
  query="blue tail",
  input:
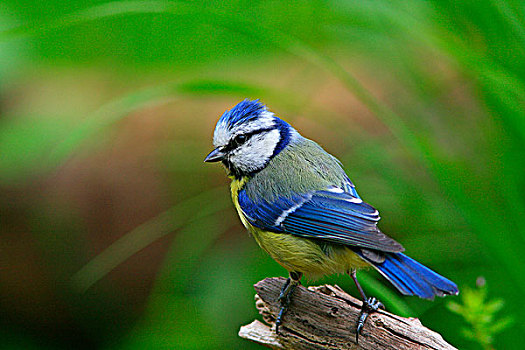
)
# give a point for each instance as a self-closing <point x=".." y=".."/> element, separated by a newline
<point x="412" y="278"/>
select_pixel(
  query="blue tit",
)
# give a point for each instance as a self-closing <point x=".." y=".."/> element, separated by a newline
<point x="302" y="209"/>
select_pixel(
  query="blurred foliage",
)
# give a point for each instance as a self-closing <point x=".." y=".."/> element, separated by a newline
<point x="115" y="235"/>
<point x="481" y="315"/>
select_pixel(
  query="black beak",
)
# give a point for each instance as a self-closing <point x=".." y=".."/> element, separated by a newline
<point x="215" y="156"/>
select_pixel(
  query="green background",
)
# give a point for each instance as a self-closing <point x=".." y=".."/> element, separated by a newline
<point x="115" y="234"/>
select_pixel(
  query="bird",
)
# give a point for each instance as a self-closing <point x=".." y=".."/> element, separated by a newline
<point x="301" y="207"/>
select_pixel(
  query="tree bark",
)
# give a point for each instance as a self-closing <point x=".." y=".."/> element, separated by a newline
<point x="325" y="317"/>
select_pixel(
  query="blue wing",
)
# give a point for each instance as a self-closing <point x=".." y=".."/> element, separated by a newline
<point x="332" y="215"/>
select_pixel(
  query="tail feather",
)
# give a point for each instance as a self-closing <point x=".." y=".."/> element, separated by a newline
<point x="412" y="278"/>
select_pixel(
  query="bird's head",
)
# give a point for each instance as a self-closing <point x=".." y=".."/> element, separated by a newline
<point x="247" y="137"/>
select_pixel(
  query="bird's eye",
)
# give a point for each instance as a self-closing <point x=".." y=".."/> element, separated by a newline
<point x="240" y="139"/>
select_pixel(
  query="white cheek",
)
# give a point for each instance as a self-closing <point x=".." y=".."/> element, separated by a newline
<point x="257" y="152"/>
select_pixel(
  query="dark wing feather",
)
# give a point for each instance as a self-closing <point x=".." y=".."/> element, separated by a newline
<point x="332" y="216"/>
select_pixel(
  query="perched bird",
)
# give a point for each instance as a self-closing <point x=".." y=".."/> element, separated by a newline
<point x="302" y="209"/>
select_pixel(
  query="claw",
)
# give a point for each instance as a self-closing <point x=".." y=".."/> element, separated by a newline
<point x="279" y="320"/>
<point x="369" y="306"/>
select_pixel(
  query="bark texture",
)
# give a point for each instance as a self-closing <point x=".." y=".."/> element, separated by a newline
<point x="325" y="317"/>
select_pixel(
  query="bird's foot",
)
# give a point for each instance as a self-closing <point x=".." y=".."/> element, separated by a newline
<point x="285" y="297"/>
<point x="284" y="291"/>
<point x="369" y="306"/>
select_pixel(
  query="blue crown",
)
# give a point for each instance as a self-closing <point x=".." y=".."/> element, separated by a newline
<point x="243" y="112"/>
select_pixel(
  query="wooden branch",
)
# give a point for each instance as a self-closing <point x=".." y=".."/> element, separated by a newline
<point x="325" y="317"/>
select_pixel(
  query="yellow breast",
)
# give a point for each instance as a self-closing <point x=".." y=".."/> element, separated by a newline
<point x="235" y="187"/>
<point x="299" y="254"/>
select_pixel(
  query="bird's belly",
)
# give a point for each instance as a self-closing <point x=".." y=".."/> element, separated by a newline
<point x="306" y="256"/>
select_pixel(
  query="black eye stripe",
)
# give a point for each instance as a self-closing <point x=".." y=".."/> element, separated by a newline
<point x="235" y="142"/>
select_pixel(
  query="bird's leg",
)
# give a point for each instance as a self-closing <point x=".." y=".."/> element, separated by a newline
<point x="286" y="296"/>
<point x="369" y="305"/>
